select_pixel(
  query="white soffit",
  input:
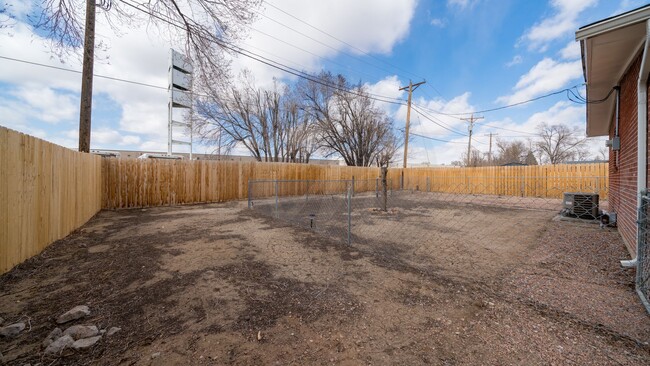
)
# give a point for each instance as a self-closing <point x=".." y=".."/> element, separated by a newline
<point x="607" y="56"/>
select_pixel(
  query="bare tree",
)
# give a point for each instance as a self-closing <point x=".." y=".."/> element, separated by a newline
<point x="205" y="27"/>
<point x="270" y="124"/>
<point x="476" y="159"/>
<point x="603" y="154"/>
<point x="348" y="121"/>
<point x="558" y="144"/>
<point x="511" y="152"/>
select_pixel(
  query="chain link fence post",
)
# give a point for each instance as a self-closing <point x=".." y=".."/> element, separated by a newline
<point x="377" y="187"/>
<point x="642" y="282"/>
<point x="250" y="192"/>
<point x="277" y="211"/>
<point x="350" y="189"/>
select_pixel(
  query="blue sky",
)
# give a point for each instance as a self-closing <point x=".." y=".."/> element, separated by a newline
<point x="474" y="54"/>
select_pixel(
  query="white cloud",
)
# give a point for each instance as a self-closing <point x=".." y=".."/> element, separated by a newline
<point x="439" y="22"/>
<point x="571" y="51"/>
<point x="46" y="104"/>
<point x="562" y="23"/>
<point x="51" y="96"/>
<point x="516" y="60"/>
<point x="371" y="26"/>
<point x="546" y="76"/>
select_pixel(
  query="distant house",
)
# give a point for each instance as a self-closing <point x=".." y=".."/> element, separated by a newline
<point x="616" y="64"/>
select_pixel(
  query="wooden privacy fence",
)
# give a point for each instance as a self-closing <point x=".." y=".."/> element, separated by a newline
<point x="544" y="181"/>
<point x="150" y="182"/>
<point x="46" y="192"/>
<point x="131" y="183"/>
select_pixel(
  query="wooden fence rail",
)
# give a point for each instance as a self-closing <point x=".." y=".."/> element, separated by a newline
<point x="129" y="183"/>
<point x="46" y="192"/>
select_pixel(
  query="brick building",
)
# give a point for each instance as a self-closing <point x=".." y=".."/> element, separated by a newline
<point x="616" y="63"/>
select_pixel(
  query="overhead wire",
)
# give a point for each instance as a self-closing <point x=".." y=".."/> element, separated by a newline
<point x="340" y="40"/>
<point x="275" y="64"/>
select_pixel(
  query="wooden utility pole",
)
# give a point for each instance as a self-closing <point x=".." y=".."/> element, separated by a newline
<point x="411" y="87"/>
<point x="470" y="128"/>
<point x="85" y="108"/>
<point x="490" y="150"/>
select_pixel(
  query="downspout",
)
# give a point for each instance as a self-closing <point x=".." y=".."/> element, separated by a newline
<point x="642" y="136"/>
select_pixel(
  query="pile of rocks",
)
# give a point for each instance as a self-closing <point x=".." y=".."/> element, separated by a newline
<point x="9" y="331"/>
<point x="77" y="337"/>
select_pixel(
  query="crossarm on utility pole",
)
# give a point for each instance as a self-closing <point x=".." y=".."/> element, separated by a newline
<point x="411" y="87"/>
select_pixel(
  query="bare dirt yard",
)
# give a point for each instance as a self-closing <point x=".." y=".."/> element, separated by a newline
<point x="219" y="284"/>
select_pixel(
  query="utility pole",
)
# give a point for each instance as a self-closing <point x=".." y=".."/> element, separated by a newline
<point x="490" y="150"/>
<point x="85" y="109"/>
<point x="411" y="87"/>
<point x="470" y="128"/>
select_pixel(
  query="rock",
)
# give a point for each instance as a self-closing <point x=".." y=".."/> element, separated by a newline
<point x="59" y="345"/>
<point x="112" y="330"/>
<point x="1" y="320"/>
<point x="81" y="331"/>
<point x="54" y="335"/>
<point x="155" y="355"/>
<point x="12" y="330"/>
<point x="75" y="313"/>
<point x="86" y="342"/>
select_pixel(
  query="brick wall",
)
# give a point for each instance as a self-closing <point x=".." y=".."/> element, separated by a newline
<point x="623" y="169"/>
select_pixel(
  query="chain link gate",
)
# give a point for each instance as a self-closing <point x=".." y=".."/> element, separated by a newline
<point x="643" y="265"/>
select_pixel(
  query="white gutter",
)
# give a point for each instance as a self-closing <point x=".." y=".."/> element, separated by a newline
<point x="642" y="134"/>
<point x="610" y="24"/>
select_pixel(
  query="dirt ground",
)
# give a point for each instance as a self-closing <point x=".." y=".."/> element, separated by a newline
<point x="220" y="284"/>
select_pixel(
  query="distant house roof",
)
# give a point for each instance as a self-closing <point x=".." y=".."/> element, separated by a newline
<point x="514" y="163"/>
<point x="608" y="48"/>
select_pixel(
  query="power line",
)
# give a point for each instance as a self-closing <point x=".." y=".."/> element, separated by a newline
<point x="79" y="72"/>
<point x="301" y="74"/>
<point x="317" y="41"/>
<point x="274" y="64"/>
<point x="436" y="139"/>
<point x="454" y="115"/>
<point x="437" y="122"/>
<point x="342" y="41"/>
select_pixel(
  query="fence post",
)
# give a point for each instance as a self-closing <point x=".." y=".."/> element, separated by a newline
<point x="249" y="193"/>
<point x="384" y="188"/>
<point x="276" y="199"/>
<point x="642" y="286"/>
<point x="353" y="185"/>
<point x="349" y="215"/>
<point x="377" y="187"/>
<point x="428" y="185"/>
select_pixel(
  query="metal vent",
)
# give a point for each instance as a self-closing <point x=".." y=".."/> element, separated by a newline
<point x="581" y="205"/>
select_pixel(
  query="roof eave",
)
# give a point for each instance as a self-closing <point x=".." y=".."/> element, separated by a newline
<point x="610" y="24"/>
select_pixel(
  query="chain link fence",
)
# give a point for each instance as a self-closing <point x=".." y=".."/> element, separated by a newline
<point x="369" y="212"/>
<point x="643" y="269"/>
